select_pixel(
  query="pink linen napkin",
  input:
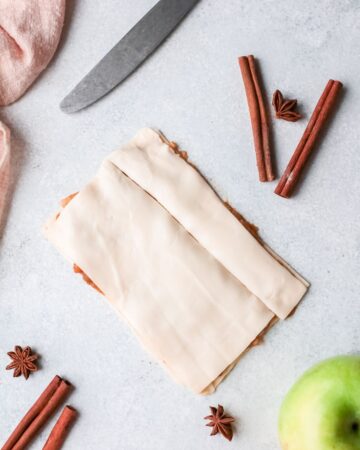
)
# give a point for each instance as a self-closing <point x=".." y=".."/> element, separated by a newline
<point x="4" y="166"/>
<point x="29" y="34"/>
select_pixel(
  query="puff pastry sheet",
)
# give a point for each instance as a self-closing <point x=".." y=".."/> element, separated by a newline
<point x="189" y="279"/>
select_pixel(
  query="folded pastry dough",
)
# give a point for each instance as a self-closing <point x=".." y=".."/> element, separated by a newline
<point x="192" y="282"/>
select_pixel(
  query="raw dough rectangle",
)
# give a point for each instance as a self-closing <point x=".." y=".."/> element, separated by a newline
<point x="193" y="284"/>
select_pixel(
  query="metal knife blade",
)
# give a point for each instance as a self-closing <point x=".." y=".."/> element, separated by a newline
<point x="128" y="54"/>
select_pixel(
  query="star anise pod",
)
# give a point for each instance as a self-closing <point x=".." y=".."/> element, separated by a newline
<point x="23" y="361"/>
<point x="220" y="422"/>
<point x="285" y="109"/>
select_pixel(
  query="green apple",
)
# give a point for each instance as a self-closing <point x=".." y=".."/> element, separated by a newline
<point x="322" y="410"/>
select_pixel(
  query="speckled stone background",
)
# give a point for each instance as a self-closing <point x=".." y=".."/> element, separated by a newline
<point x="192" y="90"/>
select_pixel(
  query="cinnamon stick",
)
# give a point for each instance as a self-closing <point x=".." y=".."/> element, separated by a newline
<point x="258" y="116"/>
<point x="38" y="414"/>
<point x="61" y="429"/>
<point x="306" y="145"/>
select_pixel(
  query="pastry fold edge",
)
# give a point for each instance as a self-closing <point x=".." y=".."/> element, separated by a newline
<point x="258" y="286"/>
<point x="153" y="165"/>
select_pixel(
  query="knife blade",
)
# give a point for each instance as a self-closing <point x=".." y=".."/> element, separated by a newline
<point x="128" y="54"/>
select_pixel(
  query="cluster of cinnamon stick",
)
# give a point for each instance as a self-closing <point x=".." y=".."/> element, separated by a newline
<point x="52" y="397"/>
<point x="261" y="129"/>
<point x="306" y="145"/>
<point x="258" y="116"/>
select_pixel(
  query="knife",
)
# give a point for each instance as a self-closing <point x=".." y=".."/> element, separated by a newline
<point x="127" y="55"/>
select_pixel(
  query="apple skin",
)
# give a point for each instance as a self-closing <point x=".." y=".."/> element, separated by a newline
<point x="322" y="409"/>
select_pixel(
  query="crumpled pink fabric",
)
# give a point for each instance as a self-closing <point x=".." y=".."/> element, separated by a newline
<point x="4" y="166"/>
<point x="29" y="34"/>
